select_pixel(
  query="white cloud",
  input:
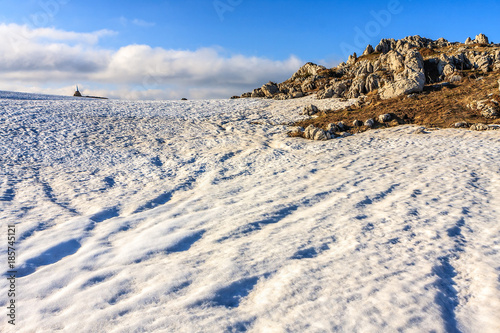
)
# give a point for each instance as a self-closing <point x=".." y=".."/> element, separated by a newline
<point x="35" y="57"/>
<point x="142" y="23"/>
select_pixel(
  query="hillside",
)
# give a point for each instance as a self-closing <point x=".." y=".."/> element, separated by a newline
<point x="416" y="80"/>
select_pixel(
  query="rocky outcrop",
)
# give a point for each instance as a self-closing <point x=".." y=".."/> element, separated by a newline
<point x="411" y="80"/>
<point x="392" y="68"/>
<point x="489" y="109"/>
<point x="310" y="110"/>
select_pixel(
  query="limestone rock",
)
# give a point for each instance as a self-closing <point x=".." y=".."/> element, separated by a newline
<point x="308" y="70"/>
<point x="468" y="41"/>
<point x="357" y="88"/>
<point x="342" y="126"/>
<point x="369" y="50"/>
<point x="461" y="124"/>
<point x="372" y="82"/>
<point x="481" y="39"/>
<point x="479" y="127"/>
<point x="297" y="94"/>
<point x="411" y="80"/>
<point x="314" y="133"/>
<point x="370" y="122"/>
<point x="310" y="110"/>
<point x="257" y="93"/>
<point x="489" y="109"/>
<point x="246" y="95"/>
<point x="383" y="118"/>
<point x="332" y="128"/>
<point x="270" y="89"/>
<point x="357" y="123"/>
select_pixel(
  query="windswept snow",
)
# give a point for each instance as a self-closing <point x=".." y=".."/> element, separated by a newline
<point x="202" y="216"/>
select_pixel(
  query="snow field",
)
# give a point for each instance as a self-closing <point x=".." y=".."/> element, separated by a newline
<point x="202" y="216"/>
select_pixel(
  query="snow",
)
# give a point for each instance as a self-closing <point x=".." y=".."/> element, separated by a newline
<point x="203" y="216"/>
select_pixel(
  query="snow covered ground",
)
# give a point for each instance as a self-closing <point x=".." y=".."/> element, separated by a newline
<point x="202" y="216"/>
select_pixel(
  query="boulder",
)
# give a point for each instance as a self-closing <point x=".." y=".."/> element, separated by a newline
<point x="308" y="70"/>
<point x="326" y="93"/>
<point x="357" y="123"/>
<point x="369" y="50"/>
<point x="270" y="89"/>
<point x="383" y="118"/>
<point x="257" y="93"/>
<point x="489" y="109"/>
<point x="385" y="45"/>
<point x="482" y="63"/>
<point x="411" y="80"/>
<point x="481" y="39"/>
<point x="297" y="94"/>
<point x="332" y="128"/>
<point x="479" y="127"/>
<point x="370" y="122"/>
<point x="461" y="124"/>
<point x="310" y="110"/>
<point x="246" y="95"/>
<point x="372" y="82"/>
<point x="392" y="61"/>
<point x="468" y="41"/>
<point x="342" y="126"/>
<point x="357" y="87"/>
<point x="455" y="78"/>
<point x="314" y="133"/>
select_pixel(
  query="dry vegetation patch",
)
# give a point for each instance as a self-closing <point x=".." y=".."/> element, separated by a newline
<point x="439" y="105"/>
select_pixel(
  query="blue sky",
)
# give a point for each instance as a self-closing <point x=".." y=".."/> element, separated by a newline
<point x="210" y="48"/>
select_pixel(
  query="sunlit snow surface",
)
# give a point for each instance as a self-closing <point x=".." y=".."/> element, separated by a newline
<point x="202" y="216"/>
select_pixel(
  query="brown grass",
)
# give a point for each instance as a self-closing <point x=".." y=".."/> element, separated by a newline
<point x="438" y="106"/>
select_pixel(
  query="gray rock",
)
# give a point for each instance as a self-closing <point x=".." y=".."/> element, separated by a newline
<point x="314" y="133"/>
<point x="461" y="124"/>
<point x="297" y="94"/>
<point x="310" y="110"/>
<point x="326" y="93"/>
<point x="344" y="134"/>
<point x="372" y="82"/>
<point x="455" y="78"/>
<point x="489" y="109"/>
<point x="370" y="122"/>
<point x="357" y="123"/>
<point x="342" y="126"/>
<point x="332" y="128"/>
<point x="411" y="80"/>
<point x="270" y="89"/>
<point x="383" y="118"/>
<point x="468" y="41"/>
<point x="357" y="88"/>
<point x="257" y="93"/>
<point x="308" y="70"/>
<point x="482" y="63"/>
<point x="369" y="50"/>
<point x="481" y="39"/>
<point x="479" y="127"/>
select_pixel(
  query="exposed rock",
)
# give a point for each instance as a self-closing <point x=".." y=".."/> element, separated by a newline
<point x="385" y="45"/>
<point x="357" y="123"/>
<point x="357" y="88"/>
<point x="455" y="78"/>
<point x="461" y="124"/>
<point x="488" y="108"/>
<point x="481" y="39"/>
<point x="411" y="80"/>
<point x="383" y="118"/>
<point x="369" y="50"/>
<point x="314" y="133"/>
<point x="370" y="122"/>
<point x="372" y="82"/>
<point x="310" y="110"/>
<point x="344" y="134"/>
<point x="297" y="94"/>
<point x="420" y="130"/>
<point x="342" y="126"/>
<point x="323" y="94"/>
<point x="296" y="132"/>
<point x="246" y="95"/>
<point x="257" y="93"/>
<point x="468" y="41"/>
<point x="332" y="128"/>
<point x="482" y="63"/>
<point x="479" y="127"/>
<point x="308" y="70"/>
<point x="270" y="89"/>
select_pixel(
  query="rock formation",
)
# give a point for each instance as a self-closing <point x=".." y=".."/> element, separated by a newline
<point x="390" y="69"/>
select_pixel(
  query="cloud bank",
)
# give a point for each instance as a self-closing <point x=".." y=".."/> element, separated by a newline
<point x="40" y="59"/>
